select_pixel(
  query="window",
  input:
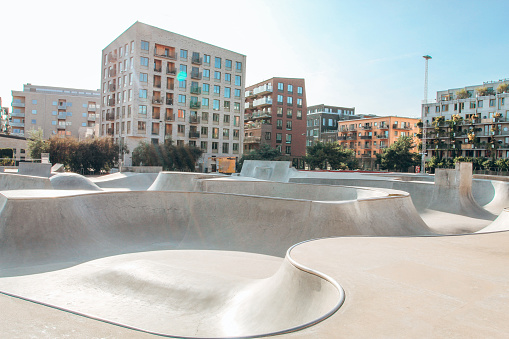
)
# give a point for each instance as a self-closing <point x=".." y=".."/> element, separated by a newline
<point x="437" y="109"/>
<point x="279" y="99"/>
<point x="226" y="119"/>
<point x="217" y="75"/>
<point x="143" y="93"/>
<point x="267" y="135"/>
<point x="226" y="133"/>
<point x="290" y="89"/>
<point x="236" y="107"/>
<point x="279" y="111"/>
<point x="214" y="146"/>
<point x="279" y="137"/>
<point x="225" y="147"/>
<point x="237" y="93"/>
<point x="206" y="73"/>
<point x="54" y="122"/>
<point x="299" y="102"/>
<point x="181" y="113"/>
<point x="215" y="117"/>
<point x="143" y="77"/>
<point x="289" y="113"/>
<point x="217" y="90"/>
<point x="280" y="87"/>
<point x="206" y="59"/>
<point x="289" y="101"/>
<point x="181" y="129"/>
<point x="130" y="79"/>
<point x="34" y="102"/>
<point x="183" y="68"/>
<point x="288" y="125"/>
<point x="279" y="124"/>
<point x="480" y="103"/>
<point x="142" y="109"/>
<point x="33" y="121"/>
<point x="228" y="64"/>
<point x="215" y="105"/>
<point x="228" y="77"/>
<point x="182" y="98"/>
<point x="204" y="131"/>
<point x="238" y="80"/>
<point x="472" y="105"/>
<point x="84" y="115"/>
<point x="299" y="90"/>
<point x="217" y="63"/>
<point x="238" y="66"/>
<point x="144" y="45"/>
<point x="227" y="92"/>
<point x="299" y="114"/>
<point x="205" y="102"/>
<point x="34" y="111"/>
<point x="288" y="149"/>
<point x="183" y="54"/>
<point x="226" y="106"/>
<point x="144" y="61"/>
<point x="215" y="133"/>
<point x="492" y="102"/>
<point x="205" y="89"/>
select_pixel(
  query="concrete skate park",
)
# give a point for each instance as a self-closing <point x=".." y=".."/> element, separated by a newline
<point x="273" y="251"/>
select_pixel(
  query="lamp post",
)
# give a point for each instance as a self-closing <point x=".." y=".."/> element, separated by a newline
<point x="423" y="140"/>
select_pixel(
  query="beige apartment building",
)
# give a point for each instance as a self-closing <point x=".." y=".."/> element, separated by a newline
<point x="370" y="136"/>
<point x="58" y="111"/>
<point x="157" y="85"/>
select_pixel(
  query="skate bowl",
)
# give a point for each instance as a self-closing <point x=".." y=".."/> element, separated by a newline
<point x="500" y="224"/>
<point x="72" y="181"/>
<point x="126" y="181"/>
<point x="180" y="181"/>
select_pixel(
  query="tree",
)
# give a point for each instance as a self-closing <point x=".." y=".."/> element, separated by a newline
<point x="265" y="152"/>
<point x="167" y="155"/>
<point x="322" y="154"/>
<point x="398" y="157"/>
<point x="36" y="144"/>
<point x="503" y="88"/>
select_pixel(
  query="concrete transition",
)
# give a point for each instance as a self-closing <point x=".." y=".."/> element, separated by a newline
<point x="213" y="256"/>
<point x="268" y="170"/>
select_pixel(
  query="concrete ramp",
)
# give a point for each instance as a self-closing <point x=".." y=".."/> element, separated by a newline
<point x="11" y="181"/>
<point x="35" y="169"/>
<point x="500" y="224"/>
<point x="72" y="181"/>
<point x="127" y="181"/>
<point x="268" y="170"/>
<point x="180" y="181"/>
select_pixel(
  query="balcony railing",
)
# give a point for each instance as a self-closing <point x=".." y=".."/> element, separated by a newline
<point x="252" y="140"/>
<point x="18" y="104"/>
<point x="262" y="89"/>
<point x="383" y="126"/>
<point x="91" y="118"/>
<point x="195" y="90"/>
<point x="169" y="118"/>
<point x="112" y="88"/>
<point x="367" y="127"/>
<point x="262" y="102"/>
<point x="395" y="126"/>
<point x="366" y="137"/>
<point x="194" y="104"/>
<point x="61" y="106"/>
<point x="169" y="55"/>
<point x="158" y="69"/>
<point x="60" y="126"/>
<point x="111" y="102"/>
<point x="194" y="135"/>
<point x="194" y="119"/>
<point x="17" y="124"/>
<point x="196" y="75"/>
<point x="196" y="60"/>
<point x="92" y="108"/>
<point x="62" y="116"/>
<point x="20" y="115"/>
<point x="169" y="102"/>
<point x="157" y="101"/>
<point x="382" y="136"/>
<point x="171" y="71"/>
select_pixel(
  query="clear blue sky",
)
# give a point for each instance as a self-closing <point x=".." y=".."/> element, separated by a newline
<point x="366" y="54"/>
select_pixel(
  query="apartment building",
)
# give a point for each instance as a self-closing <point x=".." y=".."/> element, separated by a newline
<point x="472" y="121"/>
<point x="4" y="118"/>
<point x="157" y="85"/>
<point x="370" y="136"/>
<point x="58" y="111"/>
<point x="274" y="116"/>
<point x="322" y="122"/>
<point x="19" y="146"/>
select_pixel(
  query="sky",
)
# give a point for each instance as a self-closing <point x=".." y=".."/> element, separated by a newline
<point x="362" y="54"/>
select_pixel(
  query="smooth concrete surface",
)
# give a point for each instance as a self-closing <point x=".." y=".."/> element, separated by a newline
<point x="72" y="181"/>
<point x="180" y="181"/>
<point x="35" y="169"/>
<point x="12" y="181"/>
<point x="268" y="170"/>
<point x="500" y="224"/>
<point x="125" y="181"/>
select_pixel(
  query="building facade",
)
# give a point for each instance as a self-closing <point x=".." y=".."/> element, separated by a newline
<point x="58" y="111"/>
<point x="275" y="111"/>
<point x="322" y="122"/>
<point x="5" y="117"/>
<point x="472" y="122"/>
<point x="370" y="136"/>
<point x="18" y="145"/>
<point x="157" y="85"/>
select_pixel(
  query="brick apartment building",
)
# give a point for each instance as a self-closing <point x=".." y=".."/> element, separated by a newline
<point x="275" y="115"/>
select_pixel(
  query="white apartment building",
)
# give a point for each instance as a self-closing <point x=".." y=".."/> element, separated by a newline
<point x="58" y="111"/>
<point x="157" y="84"/>
<point x="483" y="130"/>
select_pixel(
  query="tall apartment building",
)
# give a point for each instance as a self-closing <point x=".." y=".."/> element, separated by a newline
<point x="370" y="136"/>
<point x="322" y="122"/>
<point x="274" y="116"/>
<point x="482" y="129"/>
<point x="58" y="111"/>
<point x="157" y="84"/>
<point x="4" y="118"/>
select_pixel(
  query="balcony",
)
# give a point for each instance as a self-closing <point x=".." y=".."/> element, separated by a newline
<point x="17" y="124"/>
<point x="249" y="94"/>
<point x="366" y="137"/>
<point x="383" y="126"/>
<point x="467" y="146"/>
<point x="18" y="104"/>
<point x="158" y="69"/>
<point x="62" y="105"/>
<point x="169" y="118"/>
<point x="382" y="146"/>
<point x="194" y="119"/>
<point x="351" y="137"/>
<point x="248" y="105"/>
<point x="171" y="71"/>
<point x="382" y="136"/>
<point x="62" y="116"/>
<point x="169" y="102"/>
<point x="157" y="101"/>
<point x="365" y="155"/>
<point x="196" y="75"/>
<point x="112" y="88"/>
<point x="194" y="135"/>
<point x="264" y="89"/>
<point x="195" y="90"/>
<point x="91" y="118"/>
<point x="165" y="54"/>
<point x="196" y="60"/>
<point x="92" y="108"/>
<point x="395" y="126"/>
<point x="60" y="126"/>
<point x="194" y="104"/>
<point x="20" y="115"/>
<point x="252" y="140"/>
<point x="157" y="85"/>
<point x="367" y="127"/>
<point x="110" y="116"/>
<point x="109" y="131"/>
<point x="111" y="102"/>
<point x="262" y="102"/>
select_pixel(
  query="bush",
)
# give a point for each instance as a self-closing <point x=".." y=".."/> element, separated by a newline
<point x="167" y="155"/>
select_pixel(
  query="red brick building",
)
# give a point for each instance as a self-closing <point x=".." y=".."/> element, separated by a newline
<point x="275" y="114"/>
